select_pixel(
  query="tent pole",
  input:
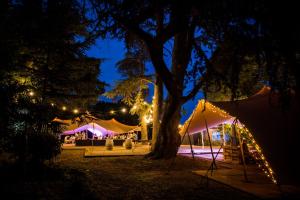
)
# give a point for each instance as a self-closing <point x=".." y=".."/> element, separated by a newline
<point x="242" y="152"/>
<point x="211" y="165"/>
<point x="223" y="130"/>
<point x="202" y="140"/>
<point x="212" y="153"/>
<point x="191" y="146"/>
<point x="93" y="136"/>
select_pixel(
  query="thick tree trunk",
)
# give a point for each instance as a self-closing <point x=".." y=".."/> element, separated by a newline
<point x="168" y="138"/>
<point x="157" y="108"/>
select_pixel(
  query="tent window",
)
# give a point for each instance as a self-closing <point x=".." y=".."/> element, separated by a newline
<point x="216" y="136"/>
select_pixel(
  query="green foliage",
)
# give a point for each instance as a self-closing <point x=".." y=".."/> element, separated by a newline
<point x="35" y="148"/>
<point x="42" y="62"/>
<point x="133" y="89"/>
<point x="128" y="89"/>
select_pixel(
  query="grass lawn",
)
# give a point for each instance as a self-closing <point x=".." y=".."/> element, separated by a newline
<point x="74" y="177"/>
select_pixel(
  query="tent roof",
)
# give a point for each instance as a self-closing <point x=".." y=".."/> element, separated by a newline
<point x="115" y="126"/>
<point x="273" y="128"/>
<point x="205" y="110"/>
<point x="105" y="126"/>
<point x="62" y="121"/>
<point x="86" y="127"/>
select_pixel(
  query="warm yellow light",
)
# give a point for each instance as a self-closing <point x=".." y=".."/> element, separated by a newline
<point x="179" y="126"/>
<point x="146" y="118"/>
<point x="123" y="110"/>
<point x="64" y="108"/>
<point x="75" y="111"/>
<point x="31" y="93"/>
<point x="112" y="112"/>
<point x="52" y="104"/>
<point x="134" y="107"/>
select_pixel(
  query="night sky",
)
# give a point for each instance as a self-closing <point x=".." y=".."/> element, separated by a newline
<point x="112" y="51"/>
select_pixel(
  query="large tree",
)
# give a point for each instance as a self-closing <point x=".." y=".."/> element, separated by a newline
<point x="195" y="27"/>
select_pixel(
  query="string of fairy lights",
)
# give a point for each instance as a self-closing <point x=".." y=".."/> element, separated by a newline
<point x="74" y="110"/>
<point x="259" y="157"/>
<point x="148" y="116"/>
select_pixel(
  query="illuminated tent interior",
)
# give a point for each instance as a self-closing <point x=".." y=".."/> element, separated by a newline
<point x="276" y="129"/>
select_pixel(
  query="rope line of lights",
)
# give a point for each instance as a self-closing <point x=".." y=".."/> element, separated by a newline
<point x="259" y="157"/>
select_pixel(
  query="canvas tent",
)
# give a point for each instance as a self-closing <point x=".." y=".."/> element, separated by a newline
<point x="102" y="127"/>
<point x="274" y="128"/>
<point x="92" y="127"/>
<point x="205" y="111"/>
<point x="116" y="126"/>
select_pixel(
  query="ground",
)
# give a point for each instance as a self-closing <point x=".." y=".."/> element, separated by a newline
<point x="72" y="176"/>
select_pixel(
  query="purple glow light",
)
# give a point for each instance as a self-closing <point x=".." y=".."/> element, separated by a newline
<point x="95" y="131"/>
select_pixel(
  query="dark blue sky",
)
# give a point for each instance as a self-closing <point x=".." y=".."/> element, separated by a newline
<point x="112" y="51"/>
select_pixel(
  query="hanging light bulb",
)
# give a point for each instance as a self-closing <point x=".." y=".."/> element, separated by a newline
<point x="31" y="93"/>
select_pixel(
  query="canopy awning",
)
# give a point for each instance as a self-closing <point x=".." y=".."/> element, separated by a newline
<point x="62" y="121"/>
<point x="275" y="128"/>
<point x="109" y="127"/>
<point x="92" y="127"/>
<point x="205" y="111"/>
<point x="116" y="126"/>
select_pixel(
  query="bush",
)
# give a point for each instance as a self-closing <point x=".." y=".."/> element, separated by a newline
<point x="43" y="146"/>
<point x="36" y="148"/>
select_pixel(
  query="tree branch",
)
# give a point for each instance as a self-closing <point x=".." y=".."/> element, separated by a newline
<point x="154" y="49"/>
<point x="193" y="92"/>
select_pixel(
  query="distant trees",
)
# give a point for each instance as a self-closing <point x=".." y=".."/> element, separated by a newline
<point x="42" y="63"/>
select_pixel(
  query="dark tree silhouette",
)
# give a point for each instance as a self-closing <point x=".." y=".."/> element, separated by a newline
<point x="199" y="29"/>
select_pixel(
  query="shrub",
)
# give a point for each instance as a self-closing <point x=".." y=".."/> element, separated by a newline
<point x="35" y="148"/>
